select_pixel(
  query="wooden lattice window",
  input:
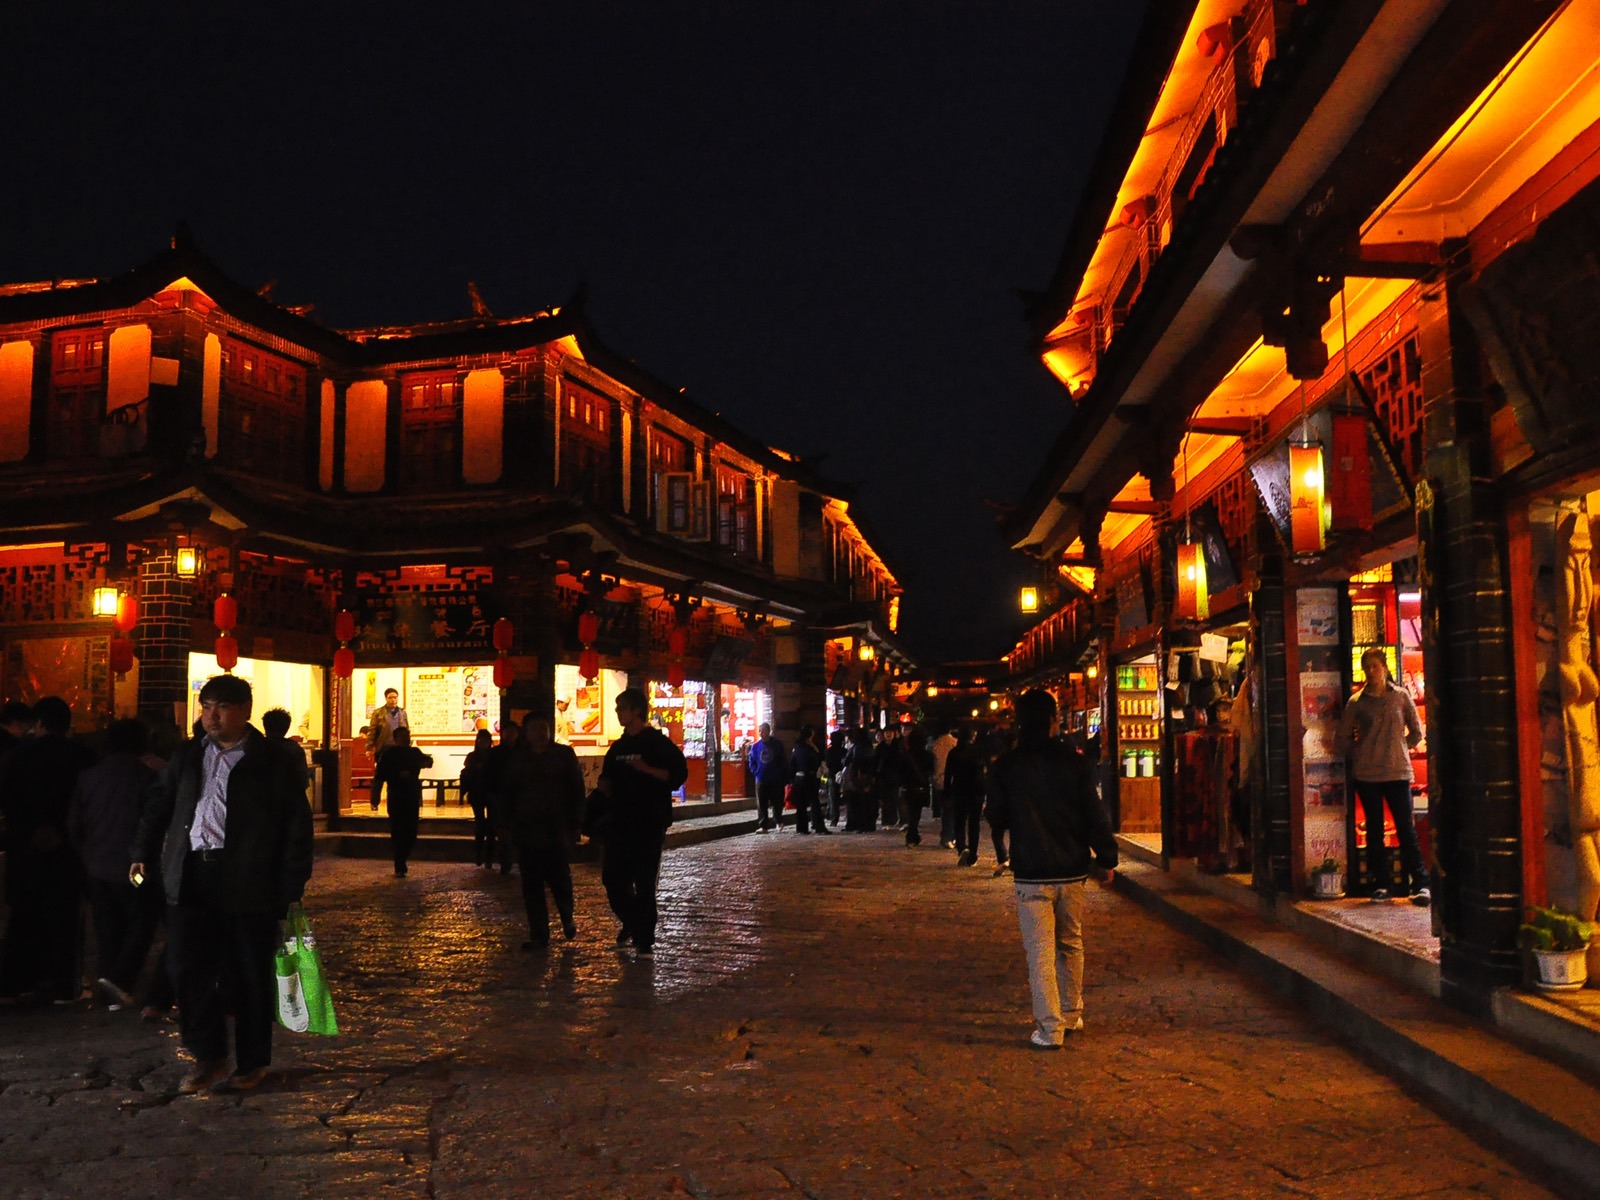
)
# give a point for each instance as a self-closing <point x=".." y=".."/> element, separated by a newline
<point x="77" y="393"/>
<point x="736" y="511"/>
<point x="262" y="417"/>
<point x="1236" y="513"/>
<point x="1394" y="381"/>
<point x="430" y="431"/>
<point x="587" y="461"/>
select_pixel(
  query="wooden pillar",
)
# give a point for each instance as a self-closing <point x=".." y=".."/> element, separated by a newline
<point x="1271" y="830"/>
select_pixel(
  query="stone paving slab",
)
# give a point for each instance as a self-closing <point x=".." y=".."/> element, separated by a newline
<point x="825" y="1017"/>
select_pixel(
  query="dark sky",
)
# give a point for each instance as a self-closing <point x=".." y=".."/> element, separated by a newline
<point x="815" y="216"/>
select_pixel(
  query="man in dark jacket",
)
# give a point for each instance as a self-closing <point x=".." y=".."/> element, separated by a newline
<point x="642" y="770"/>
<point x="544" y="791"/>
<point x="963" y="794"/>
<point x="229" y="821"/>
<point x="769" y="766"/>
<point x="102" y="823"/>
<point x="805" y="763"/>
<point x="400" y="767"/>
<point x="43" y="880"/>
<point x="1044" y="794"/>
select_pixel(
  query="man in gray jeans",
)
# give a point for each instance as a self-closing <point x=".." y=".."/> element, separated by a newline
<point x="1043" y="793"/>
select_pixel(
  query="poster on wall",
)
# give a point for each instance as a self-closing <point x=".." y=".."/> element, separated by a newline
<point x="1317" y="616"/>
<point x="1321" y="699"/>
<point x="585" y="716"/>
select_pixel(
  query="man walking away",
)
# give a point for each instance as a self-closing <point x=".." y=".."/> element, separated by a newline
<point x="102" y="823"/>
<point x="1044" y="793"/>
<point x="641" y="771"/>
<point x="544" y="784"/>
<point x="916" y="762"/>
<point x="229" y="822"/>
<point x="805" y="763"/>
<point x="400" y="766"/>
<point x="43" y="882"/>
<point x="769" y="765"/>
<point x="963" y="795"/>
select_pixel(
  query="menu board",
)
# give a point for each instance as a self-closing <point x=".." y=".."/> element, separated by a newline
<point x="447" y="700"/>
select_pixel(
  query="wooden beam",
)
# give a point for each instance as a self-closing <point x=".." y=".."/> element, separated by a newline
<point x="1136" y="508"/>
<point x="1222" y="426"/>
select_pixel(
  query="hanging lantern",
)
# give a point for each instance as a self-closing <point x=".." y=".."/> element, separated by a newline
<point x="1194" y="603"/>
<point x="344" y="662"/>
<point x="225" y="613"/>
<point x="675" y="675"/>
<point x="227" y="652"/>
<point x="121" y="655"/>
<point x="344" y="626"/>
<point x="105" y="601"/>
<point x="1307" y="527"/>
<point x="589" y="663"/>
<point x="186" y="562"/>
<point x="505" y="674"/>
<point x="678" y="641"/>
<point x="588" y="628"/>
<point x="1028" y="600"/>
<point x="1350" y="488"/>
<point x="127" y="612"/>
<point x="503" y="634"/>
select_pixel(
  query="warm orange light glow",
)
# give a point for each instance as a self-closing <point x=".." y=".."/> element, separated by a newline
<point x="1093" y="672"/>
<point x="1194" y="601"/>
<point x="867" y="653"/>
<point x="105" y="602"/>
<point x="894" y="614"/>
<point x="1079" y="577"/>
<point x="16" y="399"/>
<point x="1028" y="599"/>
<point x="932" y="691"/>
<point x="994" y="706"/>
<point x="186" y="562"/>
<point x="1307" y="510"/>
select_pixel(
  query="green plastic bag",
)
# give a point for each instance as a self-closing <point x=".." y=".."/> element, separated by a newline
<point x="304" y="1004"/>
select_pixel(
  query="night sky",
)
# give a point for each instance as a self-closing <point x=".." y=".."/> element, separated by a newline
<point x="816" y="217"/>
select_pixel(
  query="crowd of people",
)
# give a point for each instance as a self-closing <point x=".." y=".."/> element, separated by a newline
<point x="211" y="837"/>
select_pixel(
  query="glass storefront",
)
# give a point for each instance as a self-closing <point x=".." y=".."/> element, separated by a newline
<point x="295" y="687"/>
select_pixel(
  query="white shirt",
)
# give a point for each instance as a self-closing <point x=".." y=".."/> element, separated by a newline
<point x="207" y="832"/>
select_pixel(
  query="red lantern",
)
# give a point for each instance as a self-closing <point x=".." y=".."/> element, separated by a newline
<point x="127" y="612"/>
<point x="678" y="641"/>
<point x="225" y="613"/>
<point x="1307" y="524"/>
<point x="675" y="675"/>
<point x="505" y="674"/>
<point x="503" y="633"/>
<point x="344" y="662"/>
<point x="1194" y="601"/>
<point x="588" y="628"/>
<point x="589" y="663"/>
<point x="227" y="652"/>
<point x="344" y="626"/>
<point x="121" y="655"/>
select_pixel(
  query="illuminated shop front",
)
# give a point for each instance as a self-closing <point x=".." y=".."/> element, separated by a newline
<point x="445" y="707"/>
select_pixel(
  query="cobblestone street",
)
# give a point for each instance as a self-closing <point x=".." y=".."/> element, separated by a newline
<point x="824" y="1017"/>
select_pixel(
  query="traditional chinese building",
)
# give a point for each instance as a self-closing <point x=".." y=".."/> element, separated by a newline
<point x="1328" y="321"/>
<point x="513" y="517"/>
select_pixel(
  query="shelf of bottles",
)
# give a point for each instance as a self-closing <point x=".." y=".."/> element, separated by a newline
<point x="1138" y="721"/>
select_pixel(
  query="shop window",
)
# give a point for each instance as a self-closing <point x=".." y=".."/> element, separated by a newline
<point x="586" y="454"/>
<point x="482" y="425"/>
<point x="736" y="525"/>
<point x="366" y="410"/>
<point x="430" y="420"/>
<point x="669" y="455"/>
<point x="261" y="427"/>
<point x="16" y="399"/>
<point x="77" y="393"/>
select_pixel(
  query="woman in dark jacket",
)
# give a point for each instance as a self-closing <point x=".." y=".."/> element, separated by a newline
<point x="475" y="787"/>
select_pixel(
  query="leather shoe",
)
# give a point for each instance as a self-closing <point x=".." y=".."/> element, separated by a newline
<point x="207" y="1073"/>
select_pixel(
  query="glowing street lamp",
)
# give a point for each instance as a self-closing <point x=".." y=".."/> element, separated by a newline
<point x="186" y="562"/>
<point x="867" y="653"/>
<point x="105" y="602"/>
<point x="1028" y="599"/>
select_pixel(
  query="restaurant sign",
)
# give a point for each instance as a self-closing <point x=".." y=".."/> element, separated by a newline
<point x="455" y="623"/>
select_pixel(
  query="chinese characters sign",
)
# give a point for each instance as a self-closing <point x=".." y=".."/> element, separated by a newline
<point x="443" y="621"/>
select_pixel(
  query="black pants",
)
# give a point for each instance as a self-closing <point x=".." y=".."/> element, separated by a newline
<point x="403" y="817"/>
<point x="628" y="870"/>
<point x="44" y="935"/>
<point x="222" y="962"/>
<point x="483" y="829"/>
<point x="861" y="811"/>
<point x="944" y="807"/>
<point x="544" y="866"/>
<point x="125" y="919"/>
<point x="769" y="800"/>
<point x="835" y="801"/>
<point x="807" y="803"/>
<point x="912" y="801"/>
<point x="1398" y="793"/>
<point x="968" y="813"/>
<point x="999" y="839"/>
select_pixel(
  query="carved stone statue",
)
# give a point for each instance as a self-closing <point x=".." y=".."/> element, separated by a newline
<point x="1579" y="690"/>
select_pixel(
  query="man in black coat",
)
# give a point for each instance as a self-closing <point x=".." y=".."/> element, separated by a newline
<point x="1044" y="793"/>
<point x="642" y="770"/>
<point x="43" y="879"/>
<point x="400" y="767"/>
<point x="230" y="824"/>
<point x="544" y="792"/>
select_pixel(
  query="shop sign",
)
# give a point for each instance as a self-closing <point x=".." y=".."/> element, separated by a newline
<point x="459" y="622"/>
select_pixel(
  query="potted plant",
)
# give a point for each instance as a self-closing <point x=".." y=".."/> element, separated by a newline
<point x="1559" y="942"/>
<point x="1327" y="880"/>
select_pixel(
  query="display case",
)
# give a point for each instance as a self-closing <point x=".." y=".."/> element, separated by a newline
<point x="1139" y="719"/>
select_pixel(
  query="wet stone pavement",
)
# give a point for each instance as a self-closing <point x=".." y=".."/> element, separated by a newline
<point x="825" y="1017"/>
